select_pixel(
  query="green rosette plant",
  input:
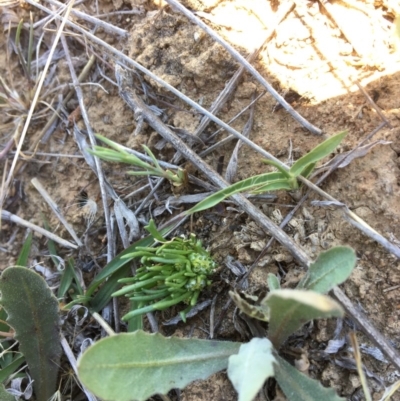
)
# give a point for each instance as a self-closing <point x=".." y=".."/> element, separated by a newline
<point x="175" y="271"/>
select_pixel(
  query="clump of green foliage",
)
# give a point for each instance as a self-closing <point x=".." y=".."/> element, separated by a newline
<point x="175" y="271"/>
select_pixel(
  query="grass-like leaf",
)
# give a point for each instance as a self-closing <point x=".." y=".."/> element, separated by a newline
<point x="26" y="248"/>
<point x="316" y="154"/>
<point x="12" y="367"/>
<point x="249" y="184"/>
<point x="138" y="365"/>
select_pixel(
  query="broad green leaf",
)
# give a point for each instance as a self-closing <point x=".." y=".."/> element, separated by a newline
<point x="8" y="370"/>
<point x="33" y="313"/>
<point x="260" y="312"/>
<point x="135" y="366"/>
<point x="316" y="154"/>
<point x="24" y="255"/>
<point x="5" y="395"/>
<point x="331" y="268"/>
<point x="249" y="184"/>
<point x="291" y="309"/>
<point x="273" y="282"/>
<point x="251" y="367"/>
<point x="299" y="387"/>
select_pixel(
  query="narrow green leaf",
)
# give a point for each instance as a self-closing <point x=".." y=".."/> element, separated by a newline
<point x="118" y="262"/>
<point x="331" y="268"/>
<point x="135" y="323"/>
<point x="103" y="296"/>
<point x="249" y="184"/>
<point x="279" y="167"/>
<point x="316" y="154"/>
<point x="26" y="248"/>
<point x="291" y="309"/>
<point x="273" y="282"/>
<point x="150" y="153"/>
<point x="135" y="366"/>
<point x="276" y="185"/>
<point x="66" y="279"/>
<point x="5" y="395"/>
<point x="308" y="170"/>
<point x="4" y="327"/>
<point x="251" y="367"/>
<point x="152" y="229"/>
<point x="51" y="244"/>
<point x="7" y="371"/>
<point x="33" y="313"/>
<point x="299" y="387"/>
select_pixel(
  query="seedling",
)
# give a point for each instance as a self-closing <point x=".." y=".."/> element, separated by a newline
<point x="175" y="271"/>
<point x="140" y="364"/>
<point x="119" y="154"/>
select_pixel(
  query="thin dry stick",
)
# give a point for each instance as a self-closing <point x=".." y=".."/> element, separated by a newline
<point x="72" y="360"/>
<point x="7" y="216"/>
<point x="104" y="197"/>
<point x="231" y="169"/>
<point x="97" y="22"/>
<point x="238" y="57"/>
<point x="373" y="104"/>
<point x="46" y="196"/>
<point x="135" y="103"/>
<point x="34" y="102"/>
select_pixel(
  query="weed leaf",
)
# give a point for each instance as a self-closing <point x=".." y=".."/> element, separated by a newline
<point x="33" y="313"/>
<point x="291" y="309"/>
<point x="273" y="282"/>
<point x="249" y="369"/>
<point x="299" y="387"/>
<point x="137" y="365"/>
<point x="331" y="268"/>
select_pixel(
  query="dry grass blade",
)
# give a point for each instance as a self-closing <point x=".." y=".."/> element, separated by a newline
<point x="231" y="169"/>
<point x="95" y="21"/>
<point x="46" y="196"/>
<point x="33" y="105"/>
<point x="5" y="215"/>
